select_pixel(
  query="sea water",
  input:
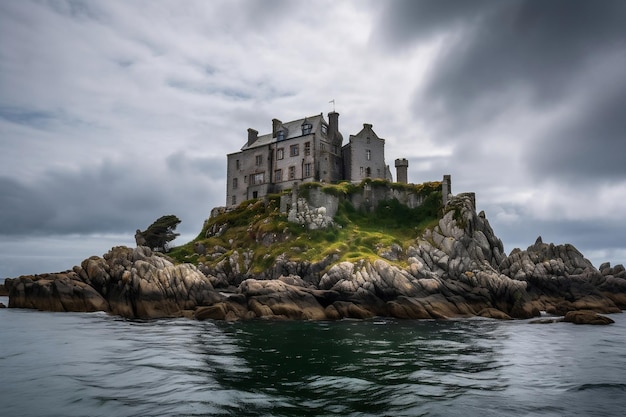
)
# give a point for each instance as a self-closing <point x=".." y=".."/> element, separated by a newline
<point x="93" y="364"/>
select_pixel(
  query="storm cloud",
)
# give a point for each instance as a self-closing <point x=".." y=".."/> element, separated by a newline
<point x="562" y="60"/>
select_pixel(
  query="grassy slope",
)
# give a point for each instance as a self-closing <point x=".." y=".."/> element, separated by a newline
<point x="356" y="235"/>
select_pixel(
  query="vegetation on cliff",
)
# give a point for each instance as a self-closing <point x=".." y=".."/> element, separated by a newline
<point x="259" y="227"/>
<point x="158" y="235"/>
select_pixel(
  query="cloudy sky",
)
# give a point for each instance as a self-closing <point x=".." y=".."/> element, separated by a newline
<point x="113" y="113"/>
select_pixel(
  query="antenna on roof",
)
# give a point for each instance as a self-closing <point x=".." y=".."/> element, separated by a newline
<point x="333" y="101"/>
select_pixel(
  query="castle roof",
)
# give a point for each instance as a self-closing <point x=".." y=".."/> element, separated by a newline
<point x="292" y="130"/>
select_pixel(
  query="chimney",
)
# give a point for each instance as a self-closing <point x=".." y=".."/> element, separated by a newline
<point x="402" y="166"/>
<point x="276" y="124"/>
<point x="333" y="123"/>
<point x="253" y="135"/>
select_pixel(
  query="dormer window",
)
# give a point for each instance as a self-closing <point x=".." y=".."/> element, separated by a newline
<point x="280" y="135"/>
<point x="324" y="129"/>
<point x="306" y="128"/>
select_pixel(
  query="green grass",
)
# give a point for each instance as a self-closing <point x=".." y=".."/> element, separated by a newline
<point x="357" y="234"/>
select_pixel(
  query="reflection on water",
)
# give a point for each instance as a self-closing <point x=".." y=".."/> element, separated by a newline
<point x="93" y="364"/>
<point x="364" y="367"/>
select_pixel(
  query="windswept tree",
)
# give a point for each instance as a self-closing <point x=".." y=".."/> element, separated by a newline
<point x="159" y="234"/>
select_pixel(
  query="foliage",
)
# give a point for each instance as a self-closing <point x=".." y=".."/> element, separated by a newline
<point x="343" y="188"/>
<point x="259" y="226"/>
<point x="161" y="232"/>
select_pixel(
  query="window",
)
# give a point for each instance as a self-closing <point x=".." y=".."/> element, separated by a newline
<point x="235" y="182"/>
<point x="368" y="171"/>
<point x="294" y="150"/>
<point x="324" y="129"/>
<point x="307" y="148"/>
<point x="280" y="135"/>
<point x="258" y="178"/>
<point x="368" y="155"/>
<point x="245" y="179"/>
<point x="280" y="153"/>
<point x="259" y="159"/>
<point x="362" y="171"/>
<point x="278" y="175"/>
<point x="234" y="200"/>
<point x="255" y="194"/>
<point x="292" y="173"/>
<point x="306" y="128"/>
<point x="335" y="150"/>
<point x="307" y="170"/>
<point x="238" y="164"/>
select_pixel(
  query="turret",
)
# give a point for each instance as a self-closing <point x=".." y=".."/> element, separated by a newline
<point x="446" y="188"/>
<point x="402" y="166"/>
<point x="333" y="128"/>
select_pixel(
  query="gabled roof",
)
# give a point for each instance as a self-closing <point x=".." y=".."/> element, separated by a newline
<point x="293" y="129"/>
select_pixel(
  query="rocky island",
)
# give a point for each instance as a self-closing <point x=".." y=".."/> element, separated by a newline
<point x="328" y="252"/>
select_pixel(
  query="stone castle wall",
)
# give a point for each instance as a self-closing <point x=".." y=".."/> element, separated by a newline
<point x="316" y="209"/>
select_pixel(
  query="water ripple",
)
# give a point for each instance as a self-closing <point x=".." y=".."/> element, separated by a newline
<point x="94" y="364"/>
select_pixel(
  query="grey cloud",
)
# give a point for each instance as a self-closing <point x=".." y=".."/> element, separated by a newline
<point x="75" y="9"/>
<point x="406" y="21"/>
<point x="535" y="54"/>
<point x="20" y="209"/>
<point x="26" y="117"/>
<point x="108" y="198"/>
<point x="498" y="44"/>
<point x="592" y="144"/>
<point x="211" y="166"/>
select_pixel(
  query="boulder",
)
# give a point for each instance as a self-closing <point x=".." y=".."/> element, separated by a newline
<point x="133" y="283"/>
<point x="276" y="298"/>
<point x="587" y="317"/>
<point x="493" y="313"/>
<point x="55" y="292"/>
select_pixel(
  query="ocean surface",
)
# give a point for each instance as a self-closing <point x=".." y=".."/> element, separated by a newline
<point x="93" y="364"/>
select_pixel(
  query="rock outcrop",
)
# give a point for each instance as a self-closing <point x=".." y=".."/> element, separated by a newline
<point x="455" y="269"/>
<point x="133" y="283"/>
<point x="311" y="218"/>
<point x="559" y="279"/>
<point x="458" y="268"/>
<point x="587" y="317"/>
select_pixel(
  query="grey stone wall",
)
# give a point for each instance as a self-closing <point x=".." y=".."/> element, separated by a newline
<point x="364" y="156"/>
<point x="319" y="208"/>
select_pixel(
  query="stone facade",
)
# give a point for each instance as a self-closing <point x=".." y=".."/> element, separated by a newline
<point x="316" y="209"/>
<point x="302" y="150"/>
<point x="364" y="156"/>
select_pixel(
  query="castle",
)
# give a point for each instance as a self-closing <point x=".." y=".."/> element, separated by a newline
<point x="305" y="150"/>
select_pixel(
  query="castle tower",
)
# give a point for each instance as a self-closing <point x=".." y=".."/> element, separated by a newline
<point x="446" y="188"/>
<point x="402" y="166"/>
